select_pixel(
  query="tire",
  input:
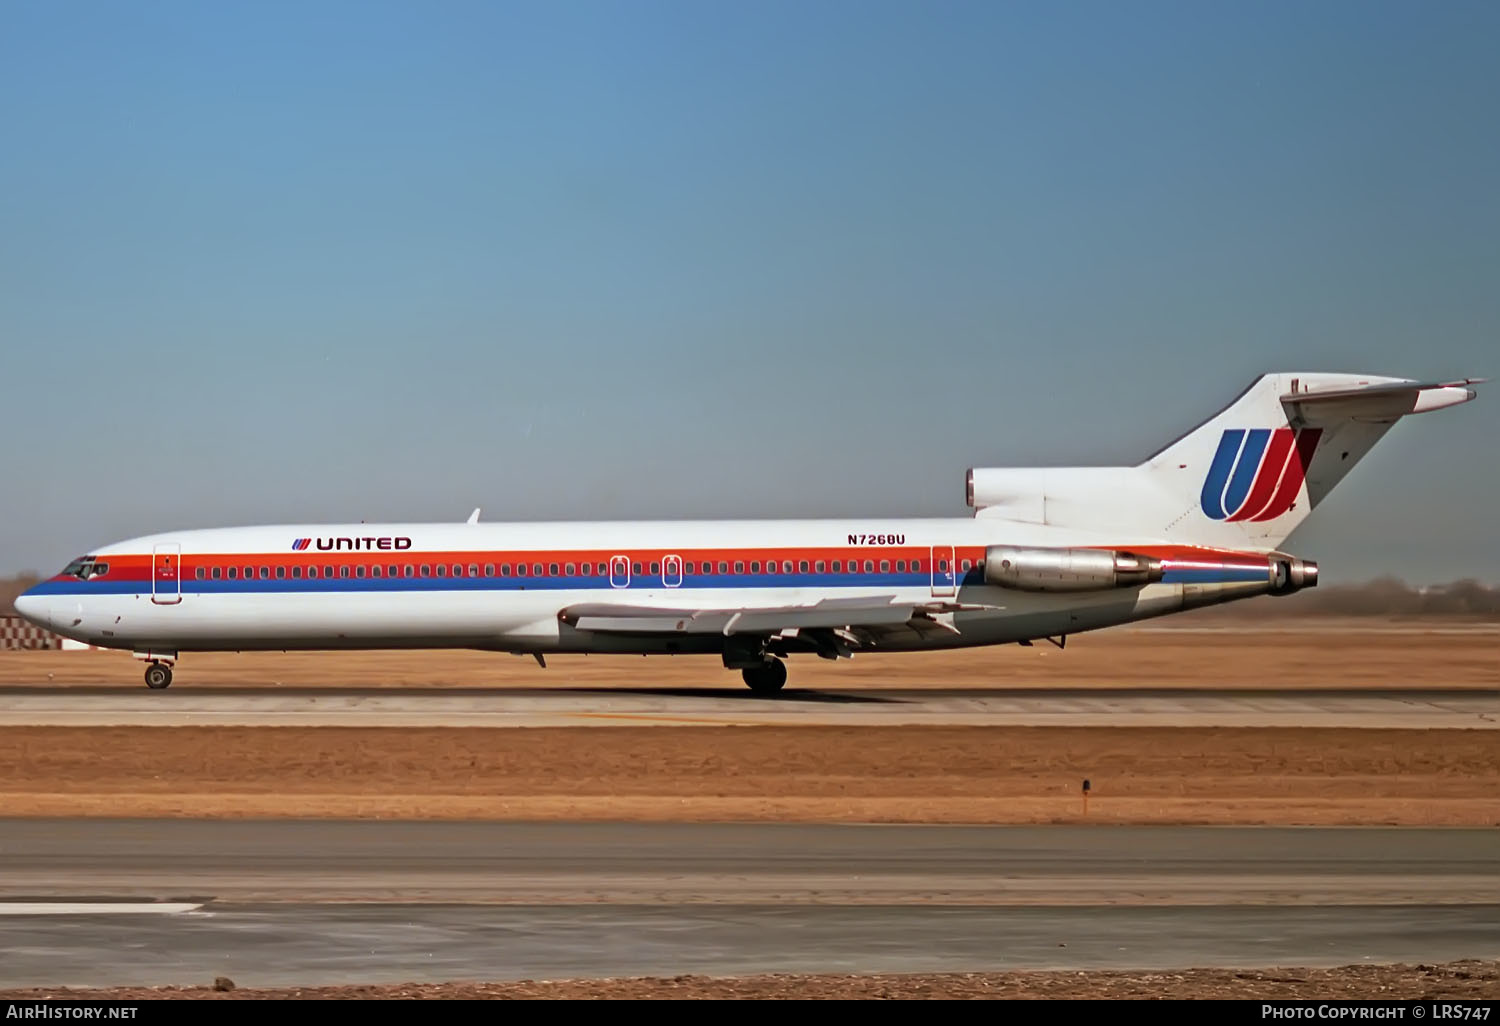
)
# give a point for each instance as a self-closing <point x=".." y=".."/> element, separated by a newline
<point x="767" y="679"/>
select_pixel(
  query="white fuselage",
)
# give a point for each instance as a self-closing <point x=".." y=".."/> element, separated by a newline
<point x="503" y="586"/>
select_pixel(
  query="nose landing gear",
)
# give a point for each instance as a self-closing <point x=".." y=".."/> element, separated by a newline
<point x="159" y="668"/>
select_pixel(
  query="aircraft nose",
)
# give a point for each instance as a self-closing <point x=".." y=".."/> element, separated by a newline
<point x="34" y="608"/>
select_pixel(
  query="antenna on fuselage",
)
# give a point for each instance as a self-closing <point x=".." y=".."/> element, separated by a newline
<point x="473" y="517"/>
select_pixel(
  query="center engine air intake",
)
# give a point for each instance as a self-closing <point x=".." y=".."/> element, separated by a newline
<point x="1041" y="569"/>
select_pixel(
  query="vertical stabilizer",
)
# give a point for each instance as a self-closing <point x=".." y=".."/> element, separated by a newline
<point x="1244" y="479"/>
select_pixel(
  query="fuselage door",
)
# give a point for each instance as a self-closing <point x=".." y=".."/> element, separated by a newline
<point x="944" y="573"/>
<point x="619" y="571"/>
<point x="166" y="575"/>
<point x="671" y="571"/>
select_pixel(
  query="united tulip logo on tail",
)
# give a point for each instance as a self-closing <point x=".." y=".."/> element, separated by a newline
<point x="1257" y="473"/>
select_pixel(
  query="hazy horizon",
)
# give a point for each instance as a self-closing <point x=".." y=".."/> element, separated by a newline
<point x="340" y="261"/>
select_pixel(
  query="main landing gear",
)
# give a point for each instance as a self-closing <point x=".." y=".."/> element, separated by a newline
<point x="766" y="678"/>
<point x="158" y="676"/>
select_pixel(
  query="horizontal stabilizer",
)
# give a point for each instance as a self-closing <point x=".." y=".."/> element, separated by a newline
<point x="1384" y="401"/>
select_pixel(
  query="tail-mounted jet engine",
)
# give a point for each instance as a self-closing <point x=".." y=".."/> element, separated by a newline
<point x="1045" y="569"/>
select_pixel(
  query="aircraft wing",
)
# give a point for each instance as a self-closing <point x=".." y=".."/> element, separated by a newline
<point x="870" y="611"/>
<point x="833" y="627"/>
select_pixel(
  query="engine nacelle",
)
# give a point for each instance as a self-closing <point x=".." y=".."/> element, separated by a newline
<point x="1043" y="569"/>
<point x="1289" y="575"/>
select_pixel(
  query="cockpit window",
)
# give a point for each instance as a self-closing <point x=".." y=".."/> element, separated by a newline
<point x="85" y="567"/>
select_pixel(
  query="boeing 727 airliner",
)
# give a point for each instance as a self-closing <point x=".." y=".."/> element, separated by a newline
<point x="1048" y="552"/>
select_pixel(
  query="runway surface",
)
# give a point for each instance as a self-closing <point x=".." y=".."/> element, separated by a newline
<point x="185" y="705"/>
<point x="257" y="946"/>
<point x="737" y="863"/>
<point x="304" y="902"/>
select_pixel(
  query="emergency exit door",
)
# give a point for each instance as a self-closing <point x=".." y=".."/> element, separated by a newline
<point x="166" y="575"/>
<point x="944" y="573"/>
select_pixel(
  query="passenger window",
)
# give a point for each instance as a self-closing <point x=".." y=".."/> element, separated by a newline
<point x="869" y="566"/>
<point x="504" y="569"/>
<point x="587" y="568"/>
<point x="344" y="571"/>
<point x="838" y="566"/>
<point x="965" y="566"/>
<point x="690" y="568"/>
<point x="600" y="570"/>
<point x="820" y="566"/>
<point x="406" y="571"/>
<point x="375" y="570"/>
<point x="217" y="573"/>
<point x="655" y="567"/>
<point x="802" y="566"/>
<point x="359" y="571"/>
<point x="739" y="566"/>
<point x="281" y="573"/>
<point x="708" y="567"/>
<point x="296" y="573"/>
<point x="442" y="569"/>
<point x="328" y="571"/>
<point x="723" y="567"/>
<point x="571" y="570"/>
<point x="265" y="573"/>
<point x="900" y="566"/>
<point x="426" y="570"/>
<point x="943" y="565"/>
<point x="489" y="569"/>
<point x="786" y="566"/>
<point x="551" y="569"/>
<point x="636" y="569"/>
<point x="234" y="573"/>
<point x="198" y="573"/>
<point x="536" y="569"/>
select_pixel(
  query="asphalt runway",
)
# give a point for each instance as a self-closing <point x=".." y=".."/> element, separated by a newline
<point x="185" y="705"/>
<point x="118" y="902"/>
<point x="260" y="946"/>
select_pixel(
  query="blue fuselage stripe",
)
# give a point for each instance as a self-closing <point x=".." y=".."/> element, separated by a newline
<point x="335" y="585"/>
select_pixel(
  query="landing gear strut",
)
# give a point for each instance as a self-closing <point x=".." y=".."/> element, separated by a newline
<point x="158" y="676"/>
<point x="765" y="678"/>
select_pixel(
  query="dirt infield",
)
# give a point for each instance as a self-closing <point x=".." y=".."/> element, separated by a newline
<point x="1470" y="980"/>
<point x="1352" y="654"/>
<point x="830" y="774"/>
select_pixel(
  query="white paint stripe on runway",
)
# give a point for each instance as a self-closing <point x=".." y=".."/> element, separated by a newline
<point x="96" y="908"/>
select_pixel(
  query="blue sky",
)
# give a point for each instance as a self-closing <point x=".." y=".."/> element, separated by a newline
<point x="329" y="260"/>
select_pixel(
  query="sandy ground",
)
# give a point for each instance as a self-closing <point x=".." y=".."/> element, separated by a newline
<point x="1353" y="654"/>
<point x="831" y="774"/>
<point x="1473" y="980"/>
